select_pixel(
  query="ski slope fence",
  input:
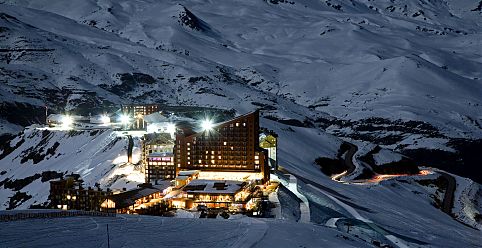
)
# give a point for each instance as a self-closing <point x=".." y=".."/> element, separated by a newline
<point x="51" y="214"/>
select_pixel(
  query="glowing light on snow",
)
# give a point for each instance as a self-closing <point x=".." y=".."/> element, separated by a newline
<point x="120" y="159"/>
<point x="338" y="176"/>
<point x="171" y="128"/>
<point x="425" y="172"/>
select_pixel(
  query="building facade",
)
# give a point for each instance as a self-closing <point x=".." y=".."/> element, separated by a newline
<point x="137" y="113"/>
<point x="158" y="157"/>
<point x="68" y="194"/>
<point x="231" y="146"/>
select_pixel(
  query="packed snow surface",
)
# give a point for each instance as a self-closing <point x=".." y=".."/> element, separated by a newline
<point x="151" y="231"/>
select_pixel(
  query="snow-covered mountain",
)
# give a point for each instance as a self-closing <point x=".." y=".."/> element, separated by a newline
<point x="404" y="74"/>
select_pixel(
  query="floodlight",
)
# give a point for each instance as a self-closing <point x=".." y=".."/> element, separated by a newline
<point x="105" y="119"/>
<point x="207" y="125"/>
<point x="66" y="121"/>
<point x="171" y="128"/>
<point x="124" y="119"/>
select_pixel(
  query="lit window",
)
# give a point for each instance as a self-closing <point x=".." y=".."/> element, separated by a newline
<point x="237" y="124"/>
<point x="256" y="161"/>
<point x="199" y="161"/>
<point x="188" y="153"/>
<point x="188" y="158"/>
<point x="255" y="157"/>
<point x="244" y="124"/>
<point x="212" y="161"/>
<point x="219" y="157"/>
<point x="188" y="143"/>
<point x="212" y="152"/>
<point x="188" y="162"/>
<point x="189" y="148"/>
<point x="225" y="143"/>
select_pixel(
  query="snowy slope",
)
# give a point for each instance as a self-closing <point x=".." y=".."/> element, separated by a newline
<point x="98" y="156"/>
<point x="415" y="61"/>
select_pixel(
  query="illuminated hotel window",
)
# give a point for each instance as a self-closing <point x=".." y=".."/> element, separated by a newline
<point x="199" y="161"/>
<point x="188" y="143"/>
<point x="212" y="152"/>
<point x="212" y="161"/>
<point x="237" y="124"/>
<point x="212" y="156"/>
<point x="188" y="162"/>
<point x="188" y="153"/>
<point x="189" y="148"/>
<point x="244" y="124"/>
<point x="219" y="157"/>
<point x="225" y="143"/>
<point x="256" y="161"/>
<point x="256" y="157"/>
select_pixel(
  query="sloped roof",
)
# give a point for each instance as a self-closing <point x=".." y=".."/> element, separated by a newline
<point x="155" y="118"/>
<point x="128" y="198"/>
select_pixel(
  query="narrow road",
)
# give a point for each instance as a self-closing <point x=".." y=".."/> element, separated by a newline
<point x="349" y="158"/>
<point x="348" y="161"/>
<point x="448" y="201"/>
